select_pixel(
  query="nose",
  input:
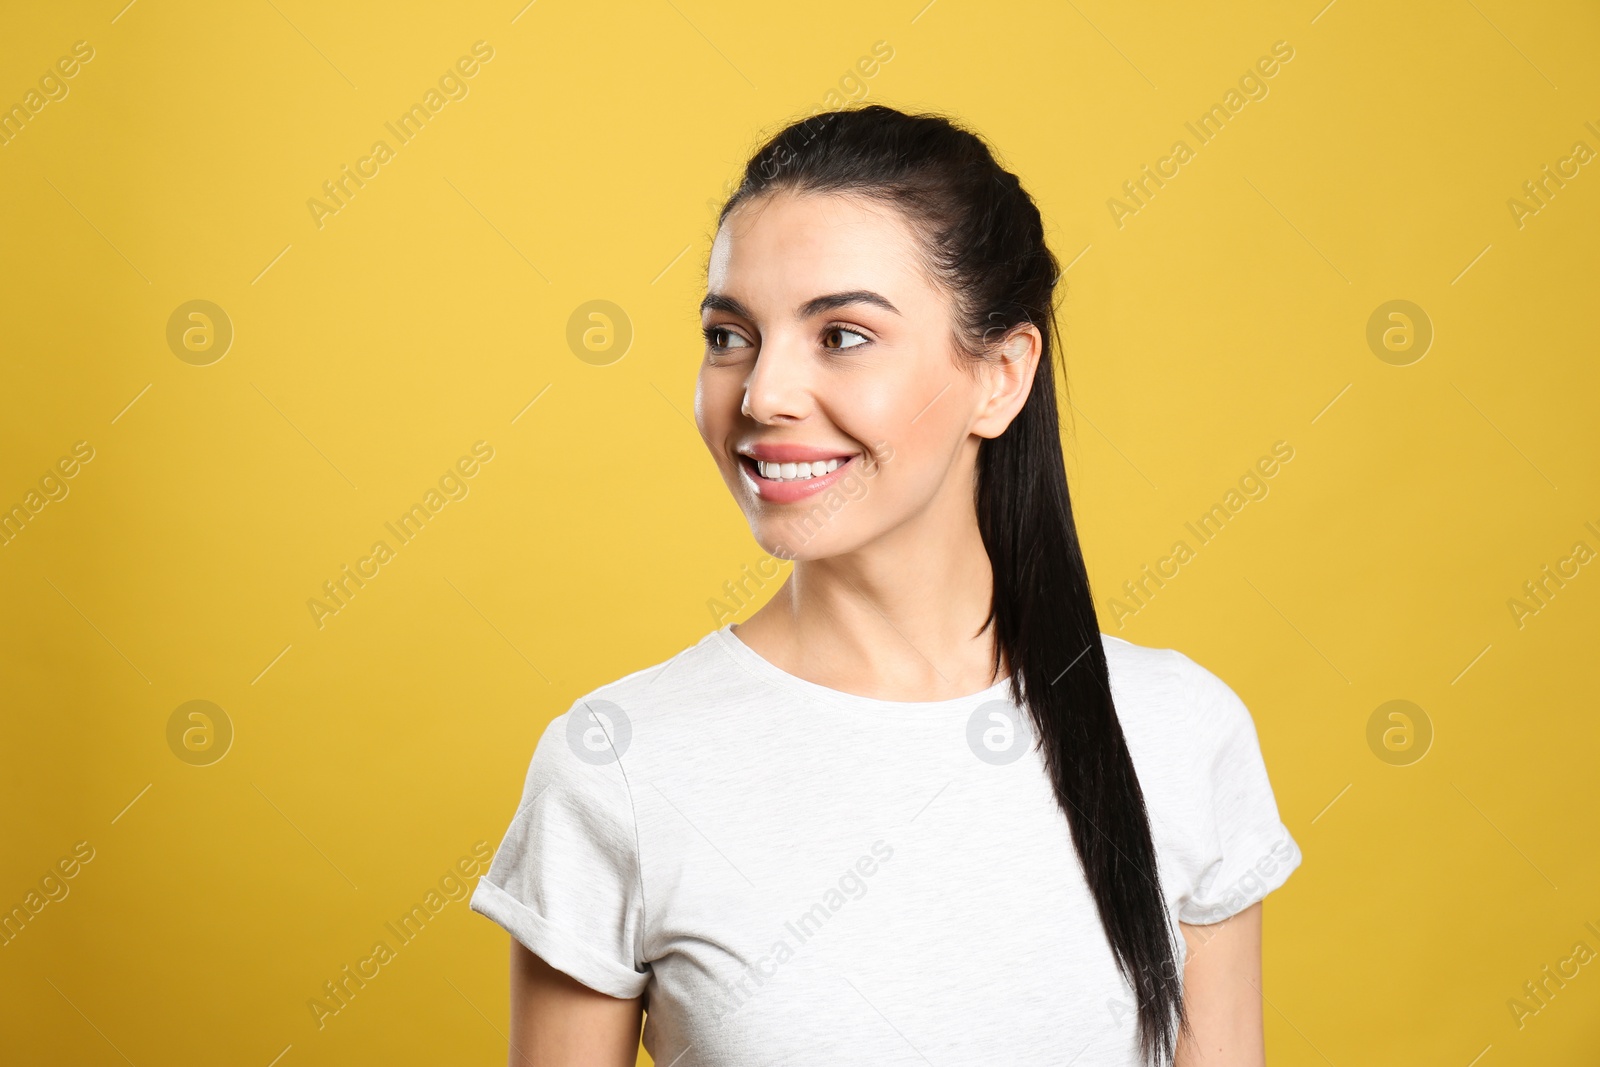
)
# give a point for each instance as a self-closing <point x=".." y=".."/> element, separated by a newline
<point x="778" y="389"/>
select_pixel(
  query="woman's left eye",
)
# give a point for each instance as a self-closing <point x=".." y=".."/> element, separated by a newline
<point x="831" y="331"/>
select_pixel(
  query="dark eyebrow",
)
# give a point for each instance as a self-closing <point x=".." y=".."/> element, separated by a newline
<point x="814" y="306"/>
<point x="718" y="302"/>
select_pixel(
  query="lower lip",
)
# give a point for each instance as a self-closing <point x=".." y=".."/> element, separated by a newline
<point x="790" y="491"/>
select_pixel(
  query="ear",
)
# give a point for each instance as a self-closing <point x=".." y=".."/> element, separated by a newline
<point x="1006" y="378"/>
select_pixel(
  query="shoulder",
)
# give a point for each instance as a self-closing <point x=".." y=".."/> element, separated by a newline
<point x="596" y="728"/>
<point x="1221" y="841"/>
<point x="1145" y="664"/>
<point x="1166" y="696"/>
<point x="1145" y="672"/>
<point x="695" y="676"/>
<point x="657" y="712"/>
<point x="1150" y="682"/>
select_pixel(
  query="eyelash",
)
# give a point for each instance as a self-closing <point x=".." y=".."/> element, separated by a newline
<point x="711" y="331"/>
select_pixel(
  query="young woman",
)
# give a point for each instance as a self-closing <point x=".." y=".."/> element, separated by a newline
<point x="917" y="809"/>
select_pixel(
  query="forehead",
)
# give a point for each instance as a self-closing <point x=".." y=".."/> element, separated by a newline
<point x="783" y="248"/>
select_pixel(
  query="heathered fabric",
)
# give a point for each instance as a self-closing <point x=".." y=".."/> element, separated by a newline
<point x="790" y="874"/>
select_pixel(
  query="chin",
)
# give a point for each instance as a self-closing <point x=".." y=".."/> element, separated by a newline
<point x="792" y="540"/>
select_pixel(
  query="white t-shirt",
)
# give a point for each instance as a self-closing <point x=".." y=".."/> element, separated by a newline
<point x="790" y="874"/>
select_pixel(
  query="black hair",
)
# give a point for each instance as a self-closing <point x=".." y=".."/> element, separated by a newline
<point x="983" y="242"/>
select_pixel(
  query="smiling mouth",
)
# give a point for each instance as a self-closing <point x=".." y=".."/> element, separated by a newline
<point x="792" y="472"/>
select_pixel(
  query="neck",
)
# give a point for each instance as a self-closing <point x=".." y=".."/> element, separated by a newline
<point x="897" y="618"/>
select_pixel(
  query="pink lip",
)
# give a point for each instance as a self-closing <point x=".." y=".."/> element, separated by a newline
<point x="781" y="453"/>
<point x="789" y="492"/>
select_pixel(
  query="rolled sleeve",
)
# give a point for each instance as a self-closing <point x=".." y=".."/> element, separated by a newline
<point x="1250" y="852"/>
<point x="565" y="881"/>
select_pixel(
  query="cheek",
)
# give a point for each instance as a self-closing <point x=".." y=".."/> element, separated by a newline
<point x="715" y="404"/>
<point x="918" y="415"/>
<point x="718" y="394"/>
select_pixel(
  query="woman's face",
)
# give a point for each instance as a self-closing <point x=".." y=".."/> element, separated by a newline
<point x="828" y="344"/>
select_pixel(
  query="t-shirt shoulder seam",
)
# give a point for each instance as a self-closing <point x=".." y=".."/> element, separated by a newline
<point x="638" y="867"/>
<point x="638" y="853"/>
<point x="600" y="692"/>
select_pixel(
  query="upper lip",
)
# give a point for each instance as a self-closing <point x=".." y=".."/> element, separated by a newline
<point x="780" y="453"/>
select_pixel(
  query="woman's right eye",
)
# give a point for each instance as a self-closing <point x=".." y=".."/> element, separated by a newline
<point x="714" y="335"/>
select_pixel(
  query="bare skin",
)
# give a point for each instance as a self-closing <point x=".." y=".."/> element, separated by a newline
<point x="556" y="1021"/>
<point x="1222" y="989"/>
<point x="887" y="595"/>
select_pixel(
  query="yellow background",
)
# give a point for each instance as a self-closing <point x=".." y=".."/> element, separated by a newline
<point x="373" y="752"/>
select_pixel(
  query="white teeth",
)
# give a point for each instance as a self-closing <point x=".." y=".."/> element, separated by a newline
<point x="796" y="472"/>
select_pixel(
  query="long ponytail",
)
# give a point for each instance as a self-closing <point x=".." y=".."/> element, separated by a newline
<point x="984" y="239"/>
<point x="1044" y="617"/>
